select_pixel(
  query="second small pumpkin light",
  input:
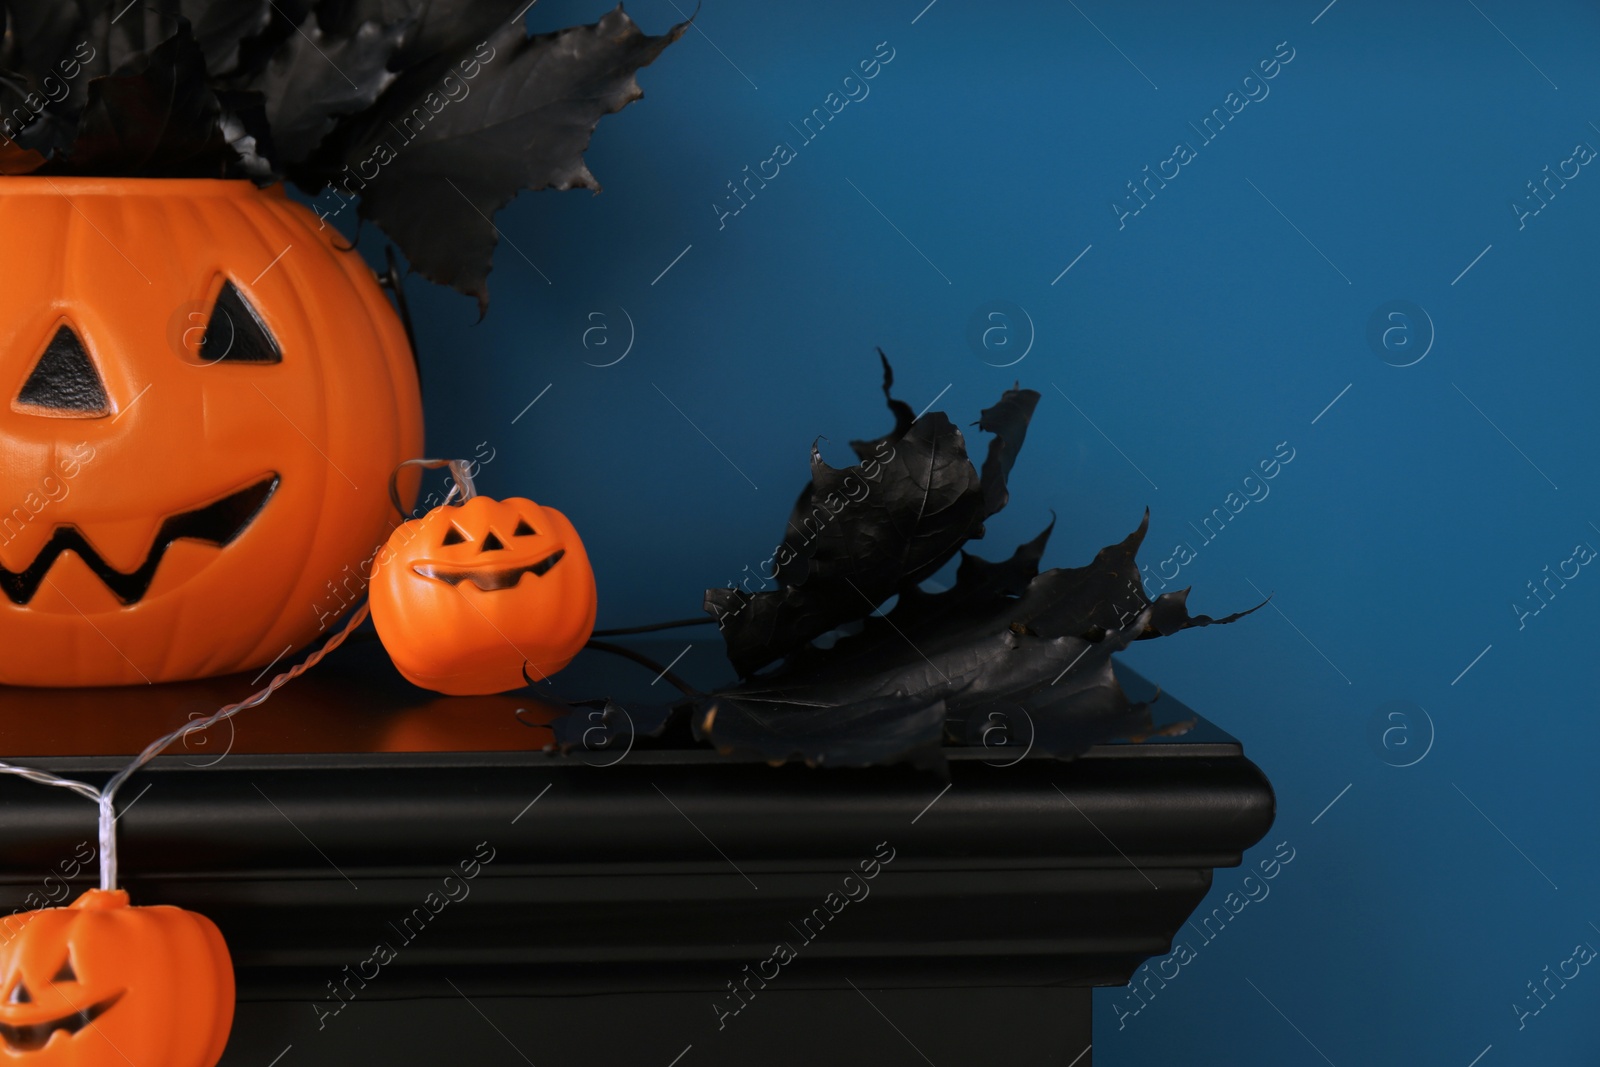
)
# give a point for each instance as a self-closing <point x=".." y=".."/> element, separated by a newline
<point x="475" y="595"/>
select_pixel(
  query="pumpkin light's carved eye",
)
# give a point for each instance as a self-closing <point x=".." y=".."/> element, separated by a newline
<point x="19" y="994"/>
<point x="523" y="529"/>
<point x="66" y="973"/>
<point x="236" y="332"/>
<point x="453" y="536"/>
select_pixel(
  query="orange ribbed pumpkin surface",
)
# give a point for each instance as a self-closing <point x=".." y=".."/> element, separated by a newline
<point x="201" y="400"/>
<point x="101" y="983"/>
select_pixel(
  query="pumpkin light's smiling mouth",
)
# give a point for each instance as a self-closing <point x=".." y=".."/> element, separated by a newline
<point x="217" y="523"/>
<point x="31" y="1037"/>
<point x="490" y="580"/>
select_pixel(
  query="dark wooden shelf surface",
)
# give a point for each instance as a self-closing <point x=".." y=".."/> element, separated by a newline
<point x="324" y="818"/>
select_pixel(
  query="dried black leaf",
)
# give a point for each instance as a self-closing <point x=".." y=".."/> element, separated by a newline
<point x="245" y="128"/>
<point x="122" y="36"/>
<point x="791" y="566"/>
<point x="157" y="117"/>
<point x="1103" y="595"/>
<point x="866" y="532"/>
<point x="433" y="163"/>
<point x="437" y="27"/>
<point x="221" y="28"/>
<point x="860" y="711"/>
<point x="37" y="33"/>
<point x="1008" y="421"/>
<point x="604" y="725"/>
<point x="54" y="50"/>
<point x="903" y="415"/>
<point x="887" y="729"/>
<point x="314" y="79"/>
<point x="46" y="57"/>
<point x="1006" y="647"/>
<point x="872" y="528"/>
<point x="987" y="644"/>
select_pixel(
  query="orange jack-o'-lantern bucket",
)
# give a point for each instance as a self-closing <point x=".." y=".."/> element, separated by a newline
<point x="202" y="396"/>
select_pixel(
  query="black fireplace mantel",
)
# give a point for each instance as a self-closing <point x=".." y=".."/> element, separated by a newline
<point x="411" y="878"/>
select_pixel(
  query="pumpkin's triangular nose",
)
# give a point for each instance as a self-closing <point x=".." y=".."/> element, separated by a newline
<point x="64" y="382"/>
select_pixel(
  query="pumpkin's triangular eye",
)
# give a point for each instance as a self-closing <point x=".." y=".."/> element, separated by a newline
<point x="64" y="381"/>
<point x="66" y="973"/>
<point x="236" y="333"/>
<point x="19" y="994"/>
<point x="492" y="543"/>
<point x="523" y="529"/>
<point x="453" y="536"/>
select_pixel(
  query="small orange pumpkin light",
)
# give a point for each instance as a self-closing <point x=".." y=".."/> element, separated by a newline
<point x="482" y="595"/>
<point x="102" y="983"/>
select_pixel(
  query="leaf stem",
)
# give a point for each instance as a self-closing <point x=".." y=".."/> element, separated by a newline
<point x="654" y="626"/>
<point x="645" y="661"/>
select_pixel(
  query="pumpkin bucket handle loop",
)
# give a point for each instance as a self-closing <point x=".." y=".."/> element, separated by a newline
<point x="460" y="470"/>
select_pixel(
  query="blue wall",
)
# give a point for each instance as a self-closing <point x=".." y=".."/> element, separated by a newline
<point x="1200" y="333"/>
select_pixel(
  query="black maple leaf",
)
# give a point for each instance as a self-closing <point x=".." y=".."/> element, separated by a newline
<point x="861" y="534"/>
<point x="1007" y="645"/>
<point x="443" y="164"/>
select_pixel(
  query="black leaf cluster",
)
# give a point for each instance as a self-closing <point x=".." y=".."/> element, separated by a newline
<point x="429" y="115"/>
<point x="1008" y="649"/>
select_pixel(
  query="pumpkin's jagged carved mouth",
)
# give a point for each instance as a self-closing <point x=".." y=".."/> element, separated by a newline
<point x="34" y="1036"/>
<point x="490" y="580"/>
<point x="217" y="523"/>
